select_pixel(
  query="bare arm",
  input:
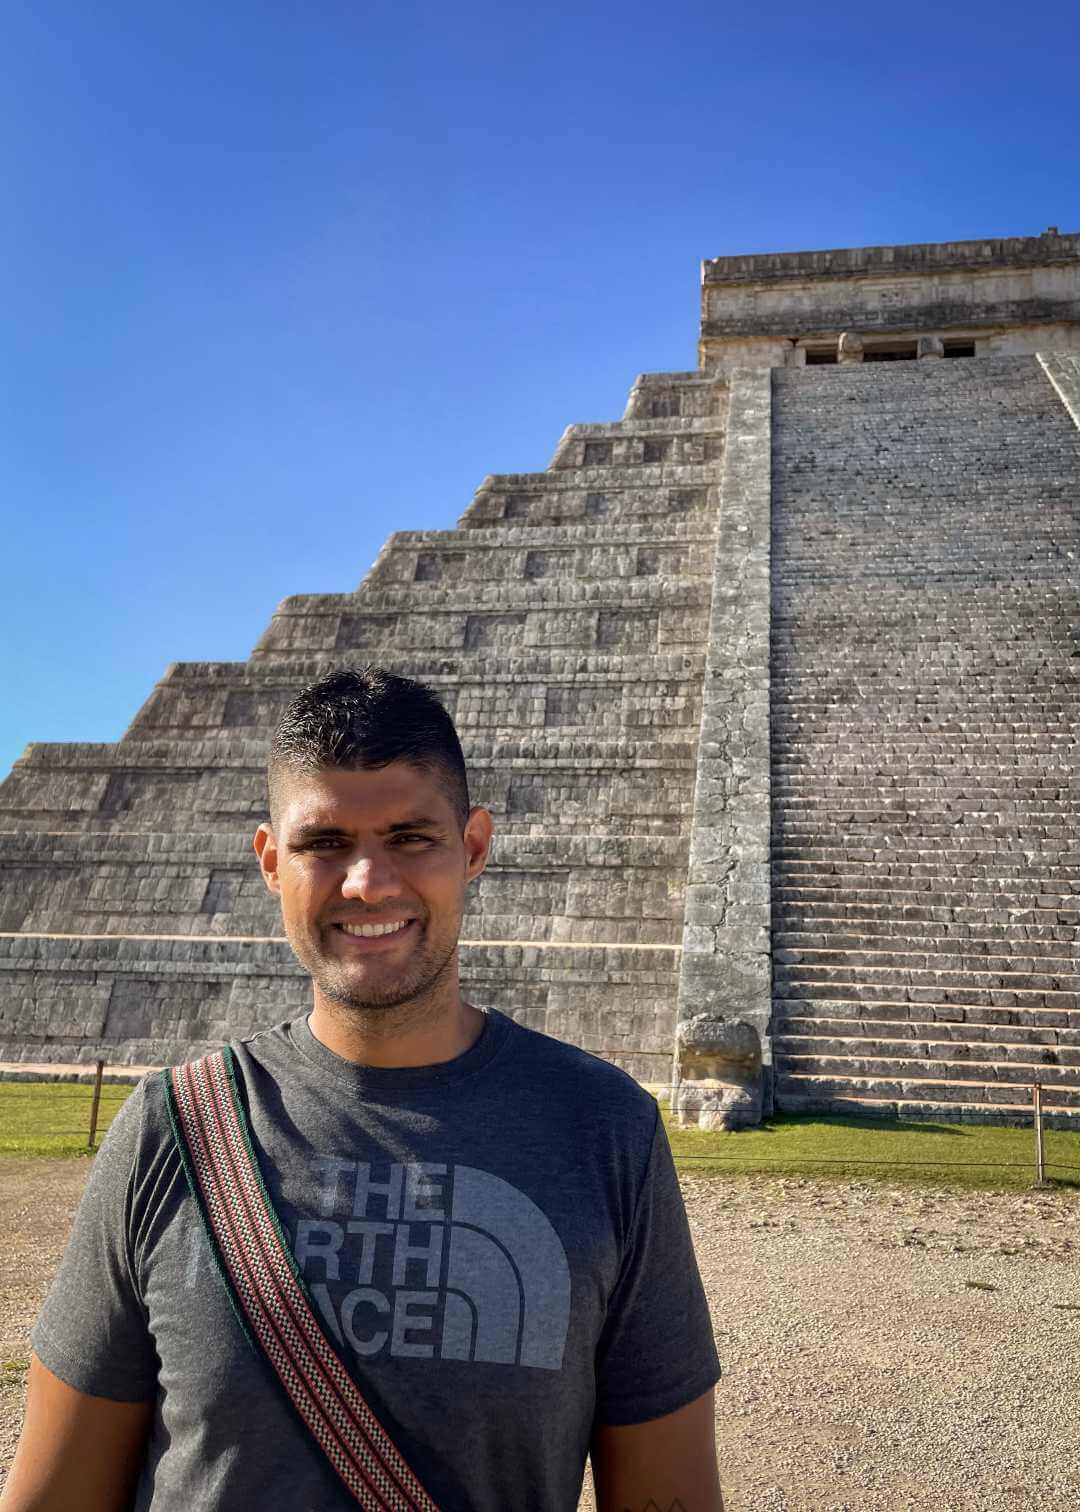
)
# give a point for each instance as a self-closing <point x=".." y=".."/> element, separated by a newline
<point x="77" y="1453"/>
<point x="670" y="1462"/>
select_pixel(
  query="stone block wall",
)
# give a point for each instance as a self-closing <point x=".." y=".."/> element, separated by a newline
<point x="722" y="1070"/>
<point x="133" y="921"/>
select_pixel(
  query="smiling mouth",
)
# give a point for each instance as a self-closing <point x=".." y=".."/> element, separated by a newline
<point x="385" y="931"/>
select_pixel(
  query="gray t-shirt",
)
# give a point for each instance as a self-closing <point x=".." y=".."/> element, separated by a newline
<point x="497" y="1246"/>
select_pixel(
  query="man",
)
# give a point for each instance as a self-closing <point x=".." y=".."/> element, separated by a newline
<point x="486" y="1220"/>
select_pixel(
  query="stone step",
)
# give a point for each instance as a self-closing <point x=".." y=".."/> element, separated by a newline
<point x="1020" y="833"/>
<point x="909" y="892"/>
<point x="1016" y="923"/>
<point x="920" y="1089"/>
<point x="797" y="960"/>
<point x="1053" y="1068"/>
<point x="989" y="937"/>
<point x="981" y="989"/>
<point x="797" y="1099"/>
<point x="831" y="1034"/>
<point x="860" y="854"/>
<point x="942" y="948"/>
<point x="966" y="831"/>
<point x="854" y="875"/>
<point x="927" y="685"/>
<point x="907" y="795"/>
<point x="862" y="776"/>
<point x="1062" y="1052"/>
<point x="1006" y="1012"/>
<point x="862" y="864"/>
<point x="903" y="741"/>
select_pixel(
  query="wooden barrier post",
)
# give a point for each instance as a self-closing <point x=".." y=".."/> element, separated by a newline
<point x="95" y="1103"/>
<point x="1040" y="1164"/>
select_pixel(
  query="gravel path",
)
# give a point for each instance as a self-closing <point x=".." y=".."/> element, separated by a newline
<point x="884" y="1349"/>
<point x="887" y="1349"/>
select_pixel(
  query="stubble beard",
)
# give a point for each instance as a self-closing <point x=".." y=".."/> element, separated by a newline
<point x="417" y="986"/>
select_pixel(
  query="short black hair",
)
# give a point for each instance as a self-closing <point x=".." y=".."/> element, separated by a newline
<point x="357" y="717"/>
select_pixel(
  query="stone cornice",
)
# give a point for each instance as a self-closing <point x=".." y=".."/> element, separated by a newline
<point x="770" y="268"/>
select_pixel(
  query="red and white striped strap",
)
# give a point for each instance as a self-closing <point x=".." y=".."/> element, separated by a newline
<point x="268" y="1295"/>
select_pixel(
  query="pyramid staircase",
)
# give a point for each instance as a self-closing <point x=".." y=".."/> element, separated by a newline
<point x="925" y="725"/>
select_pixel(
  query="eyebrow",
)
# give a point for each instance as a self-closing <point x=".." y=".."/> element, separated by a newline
<point x="318" y="831"/>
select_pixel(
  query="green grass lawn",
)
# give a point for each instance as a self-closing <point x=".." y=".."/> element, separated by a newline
<point x="53" y="1118"/>
<point x="929" y="1154"/>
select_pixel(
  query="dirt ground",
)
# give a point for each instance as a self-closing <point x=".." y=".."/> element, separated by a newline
<point x="885" y="1349"/>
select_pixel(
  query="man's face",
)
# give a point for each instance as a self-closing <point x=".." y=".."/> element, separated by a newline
<point x="355" y="851"/>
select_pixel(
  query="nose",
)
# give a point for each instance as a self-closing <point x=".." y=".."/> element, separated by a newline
<point x="371" y="878"/>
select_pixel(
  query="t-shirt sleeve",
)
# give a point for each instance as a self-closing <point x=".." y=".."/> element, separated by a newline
<point x="92" y="1329"/>
<point x="656" y="1350"/>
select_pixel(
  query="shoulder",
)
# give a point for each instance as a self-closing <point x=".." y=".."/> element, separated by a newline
<point x="591" y="1091"/>
<point x="575" y="1065"/>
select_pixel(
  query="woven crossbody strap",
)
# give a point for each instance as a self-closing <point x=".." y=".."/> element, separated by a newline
<point x="267" y="1292"/>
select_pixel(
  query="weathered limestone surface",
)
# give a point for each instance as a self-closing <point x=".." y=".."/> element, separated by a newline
<point x="722" y="1052"/>
<point x="564" y="626"/>
<point x="925" y="680"/>
<point x="1014" y="295"/>
<point x="1063" y="372"/>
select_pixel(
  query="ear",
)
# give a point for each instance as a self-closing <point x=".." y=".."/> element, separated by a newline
<point x="479" y="828"/>
<point x="267" y="852"/>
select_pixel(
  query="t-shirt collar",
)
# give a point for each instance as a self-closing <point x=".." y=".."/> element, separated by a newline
<point x="371" y="1079"/>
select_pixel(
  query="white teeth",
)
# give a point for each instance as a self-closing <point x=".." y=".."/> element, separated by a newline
<point x="369" y="931"/>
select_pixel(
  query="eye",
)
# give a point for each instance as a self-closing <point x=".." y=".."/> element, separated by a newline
<point x="411" y="839"/>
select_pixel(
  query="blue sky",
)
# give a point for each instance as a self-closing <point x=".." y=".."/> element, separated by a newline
<point x="278" y="279"/>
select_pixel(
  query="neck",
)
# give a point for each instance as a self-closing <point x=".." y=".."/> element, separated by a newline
<point x="419" y="1033"/>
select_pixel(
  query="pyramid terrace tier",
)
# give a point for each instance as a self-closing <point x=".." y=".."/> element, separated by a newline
<point x="660" y="395"/>
<point x="638" y="444"/>
<point x="535" y="785"/>
<point x="556" y="693"/>
<point x="569" y="888"/>
<point x="629" y="615"/>
<point x="137" y="1001"/>
<point x="676" y="549"/>
<point x="652" y="494"/>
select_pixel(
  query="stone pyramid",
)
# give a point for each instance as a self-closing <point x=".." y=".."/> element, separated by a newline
<point x="771" y="687"/>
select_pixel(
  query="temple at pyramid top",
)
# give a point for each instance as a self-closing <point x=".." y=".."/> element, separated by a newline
<point x="1008" y="296"/>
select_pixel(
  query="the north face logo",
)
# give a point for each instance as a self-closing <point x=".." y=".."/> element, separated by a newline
<point x="446" y="1262"/>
